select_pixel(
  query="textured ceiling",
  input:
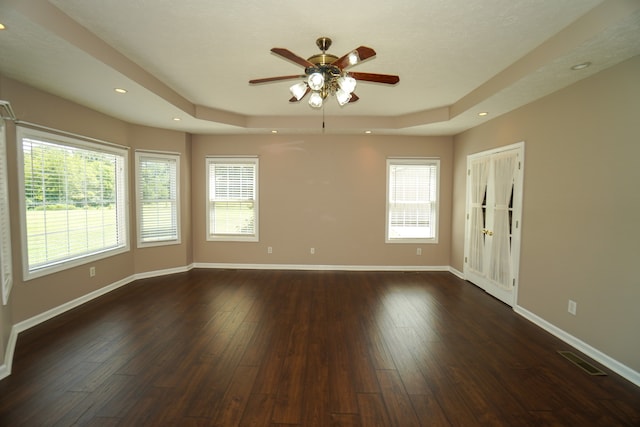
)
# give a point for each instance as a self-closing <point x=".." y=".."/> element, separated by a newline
<point x="192" y="59"/>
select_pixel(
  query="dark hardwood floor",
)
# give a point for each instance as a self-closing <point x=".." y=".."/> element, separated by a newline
<point x="300" y="348"/>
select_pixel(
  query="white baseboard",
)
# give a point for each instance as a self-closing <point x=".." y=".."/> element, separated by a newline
<point x="49" y="314"/>
<point x="56" y="311"/>
<point x="164" y="272"/>
<point x="315" y="267"/>
<point x="457" y="273"/>
<point x="581" y="346"/>
<point x="5" y="369"/>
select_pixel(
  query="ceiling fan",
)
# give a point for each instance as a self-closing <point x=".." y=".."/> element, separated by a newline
<point x="326" y="74"/>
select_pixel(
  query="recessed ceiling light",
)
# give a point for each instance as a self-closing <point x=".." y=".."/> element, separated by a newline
<point x="274" y="131"/>
<point x="367" y="131"/>
<point x="483" y="113"/>
<point x="176" y="119"/>
<point x="2" y="27"/>
<point x="120" y="90"/>
<point x="580" y="66"/>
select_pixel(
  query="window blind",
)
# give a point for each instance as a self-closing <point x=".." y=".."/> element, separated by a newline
<point x="157" y="188"/>
<point x="412" y="200"/>
<point x="74" y="200"/>
<point x="232" y="186"/>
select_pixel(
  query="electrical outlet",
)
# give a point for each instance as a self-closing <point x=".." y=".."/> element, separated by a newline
<point x="312" y="251"/>
<point x="573" y="307"/>
<point x="419" y="251"/>
<point x="269" y="250"/>
<point x="92" y="271"/>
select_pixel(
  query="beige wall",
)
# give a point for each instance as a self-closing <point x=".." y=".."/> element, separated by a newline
<point x="34" y="297"/>
<point x="580" y="235"/>
<point x="321" y="191"/>
<point x="171" y="256"/>
<point x="328" y="192"/>
<point x="39" y="295"/>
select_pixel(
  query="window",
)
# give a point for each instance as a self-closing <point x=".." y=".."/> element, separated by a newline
<point x="73" y="201"/>
<point x="412" y="200"/>
<point x="232" y="191"/>
<point x="158" y="210"/>
<point x="6" y="274"/>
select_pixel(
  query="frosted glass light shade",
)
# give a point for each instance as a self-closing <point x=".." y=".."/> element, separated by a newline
<point x="316" y="81"/>
<point x="342" y="96"/>
<point x="347" y="84"/>
<point x="315" y="100"/>
<point x="354" y="58"/>
<point x="298" y="90"/>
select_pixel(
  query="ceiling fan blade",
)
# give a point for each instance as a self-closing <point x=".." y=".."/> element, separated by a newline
<point x="275" y="79"/>
<point x="376" y="78"/>
<point x="354" y="98"/>
<point x="364" y="53"/>
<point x="287" y="54"/>
<point x="294" y="99"/>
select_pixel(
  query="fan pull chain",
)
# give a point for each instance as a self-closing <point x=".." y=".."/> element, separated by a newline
<point x="323" y="118"/>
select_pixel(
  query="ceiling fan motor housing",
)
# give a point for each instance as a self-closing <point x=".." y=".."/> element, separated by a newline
<point x="322" y="62"/>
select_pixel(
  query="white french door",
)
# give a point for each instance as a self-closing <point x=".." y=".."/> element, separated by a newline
<point x="493" y="220"/>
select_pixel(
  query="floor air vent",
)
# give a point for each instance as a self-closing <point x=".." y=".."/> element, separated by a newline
<point x="581" y="363"/>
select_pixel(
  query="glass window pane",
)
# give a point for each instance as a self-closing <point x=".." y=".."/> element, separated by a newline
<point x="233" y="201"/>
<point x="74" y="199"/>
<point x="158" y="207"/>
<point x="412" y="199"/>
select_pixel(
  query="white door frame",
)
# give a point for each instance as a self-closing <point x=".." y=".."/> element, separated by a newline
<point x="508" y="297"/>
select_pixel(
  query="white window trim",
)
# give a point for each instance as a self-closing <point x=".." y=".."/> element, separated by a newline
<point x="6" y="268"/>
<point x="73" y="140"/>
<point x="232" y="237"/>
<point x="158" y="155"/>
<point x="413" y="161"/>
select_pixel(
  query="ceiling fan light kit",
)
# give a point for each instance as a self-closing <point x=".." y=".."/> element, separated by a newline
<point x="298" y="90"/>
<point x="315" y="100"/>
<point x="325" y="74"/>
<point x="343" y="97"/>
<point x="316" y="80"/>
<point x="347" y="83"/>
